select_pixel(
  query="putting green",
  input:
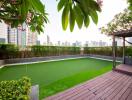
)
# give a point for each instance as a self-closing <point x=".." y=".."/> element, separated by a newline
<point x="56" y="76"/>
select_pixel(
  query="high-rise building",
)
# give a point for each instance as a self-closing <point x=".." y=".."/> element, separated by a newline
<point x="38" y="42"/>
<point x="86" y="44"/>
<point x="12" y="35"/>
<point x="22" y="31"/>
<point x="22" y="36"/>
<point x="78" y="43"/>
<point x="59" y="43"/>
<point x="31" y="38"/>
<point x="48" y="40"/>
<point x="3" y="33"/>
<point x="17" y="35"/>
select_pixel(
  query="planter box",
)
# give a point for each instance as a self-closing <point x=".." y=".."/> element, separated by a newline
<point x="34" y="95"/>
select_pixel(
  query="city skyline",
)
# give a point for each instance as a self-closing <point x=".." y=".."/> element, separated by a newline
<point x="21" y="36"/>
<point x="54" y="28"/>
<point x="92" y="33"/>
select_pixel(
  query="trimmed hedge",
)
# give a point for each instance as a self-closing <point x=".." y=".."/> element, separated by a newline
<point x="15" y="89"/>
<point x="129" y="51"/>
<point x="107" y="51"/>
<point x="54" y="50"/>
<point x="8" y="51"/>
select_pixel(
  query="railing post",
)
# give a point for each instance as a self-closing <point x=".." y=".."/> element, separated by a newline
<point x="123" y="50"/>
<point x="114" y="53"/>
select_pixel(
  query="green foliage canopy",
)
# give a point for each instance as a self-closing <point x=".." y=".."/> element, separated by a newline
<point x="16" y="12"/>
<point x="78" y="11"/>
<point x="130" y="4"/>
<point x="121" y="21"/>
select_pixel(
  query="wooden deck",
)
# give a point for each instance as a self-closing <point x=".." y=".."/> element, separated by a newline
<point x="110" y="86"/>
<point x="123" y="68"/>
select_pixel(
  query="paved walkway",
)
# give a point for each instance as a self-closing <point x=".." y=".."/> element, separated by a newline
<point x="110" y="86"/>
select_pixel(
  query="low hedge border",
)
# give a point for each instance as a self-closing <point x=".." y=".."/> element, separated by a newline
<point x="15" y="89"/>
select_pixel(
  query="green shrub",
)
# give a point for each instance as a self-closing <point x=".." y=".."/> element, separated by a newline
<point x="54" y="50"/>
<point x="8" y="51"/>
<point x="107" y="51"/>
<point x="129" y="51"/>
<point x="15" y="89"/>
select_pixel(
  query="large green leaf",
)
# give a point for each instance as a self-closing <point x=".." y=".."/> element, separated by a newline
<point x="78" y="16"/>
<point x="24" y="9"/>
<point x="65" y="17"/>
<point x="61" y="4"/>
<point x="94" y="16"/>
<point x="72" y="19"/>
<point x="86" y="21"/>
<point x="93" y="4"/>
<point x="84" y="4"/>
<point x="37" y="5"/>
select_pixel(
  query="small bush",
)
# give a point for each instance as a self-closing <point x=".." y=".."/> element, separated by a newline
<point x="8" y="51"/>
<point x="15" y="89"/>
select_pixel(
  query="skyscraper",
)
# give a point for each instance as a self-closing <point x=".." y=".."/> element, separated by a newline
<point x="31" y="37"/>
<point x="3" y="33"/>
<point x="48" y="40"/>
<point x="12" y="35"/>
<point x="22" y="31"/>
<point x="22" y="36"/>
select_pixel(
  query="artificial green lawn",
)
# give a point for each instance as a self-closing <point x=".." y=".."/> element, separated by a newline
<point x="57" y="76"/>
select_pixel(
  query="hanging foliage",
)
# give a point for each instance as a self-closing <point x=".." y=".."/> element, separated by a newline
<point x="130" y="4"/>
<point x="79" y="11"/>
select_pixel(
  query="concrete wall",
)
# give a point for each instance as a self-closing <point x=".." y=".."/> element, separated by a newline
<point x="36" y="59"/>
<point x="2" y="62"/>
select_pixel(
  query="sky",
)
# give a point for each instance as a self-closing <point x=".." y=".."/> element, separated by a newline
<point x="54" y="28"/>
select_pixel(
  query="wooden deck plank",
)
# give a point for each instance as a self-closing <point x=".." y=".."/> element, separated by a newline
<point x="81" y="86"/>
<point x="110" y="86"/>
<point x="118" y="89"/>
<point x="87" y="94"/>
<point x="93" y="86"/>
<point x="125" y="94"/>
<point x="113" y="87"/>
<point x="104" y="85"/>
<point x="103" y="94"/>
<point x="130" y="96"/>
<point x="124" y="89"/>
<point x="80" y="91"/>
